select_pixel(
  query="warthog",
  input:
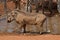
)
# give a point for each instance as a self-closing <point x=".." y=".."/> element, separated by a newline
<point x="23" y="18"/>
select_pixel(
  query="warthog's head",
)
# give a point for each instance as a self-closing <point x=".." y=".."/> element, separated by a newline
<point x="11" y="16"/>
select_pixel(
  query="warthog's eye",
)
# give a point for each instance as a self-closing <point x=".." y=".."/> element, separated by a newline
<point x="15" y="13"/>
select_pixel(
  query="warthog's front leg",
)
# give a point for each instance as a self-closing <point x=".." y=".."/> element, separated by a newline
<point x="18" y="29"/>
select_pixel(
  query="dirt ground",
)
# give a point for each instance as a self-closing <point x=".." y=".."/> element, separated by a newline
<point x="30" y="37"/>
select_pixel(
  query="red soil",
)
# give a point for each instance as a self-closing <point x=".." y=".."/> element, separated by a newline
<point x="25" y="37"/>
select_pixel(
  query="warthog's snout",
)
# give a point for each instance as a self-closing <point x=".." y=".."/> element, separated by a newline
<point x="8" y="21"/>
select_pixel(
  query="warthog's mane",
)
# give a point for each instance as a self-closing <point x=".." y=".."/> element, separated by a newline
<point x="25" y="13"/>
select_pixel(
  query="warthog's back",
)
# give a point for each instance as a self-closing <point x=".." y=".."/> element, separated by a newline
<point x="31" y="19"/>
